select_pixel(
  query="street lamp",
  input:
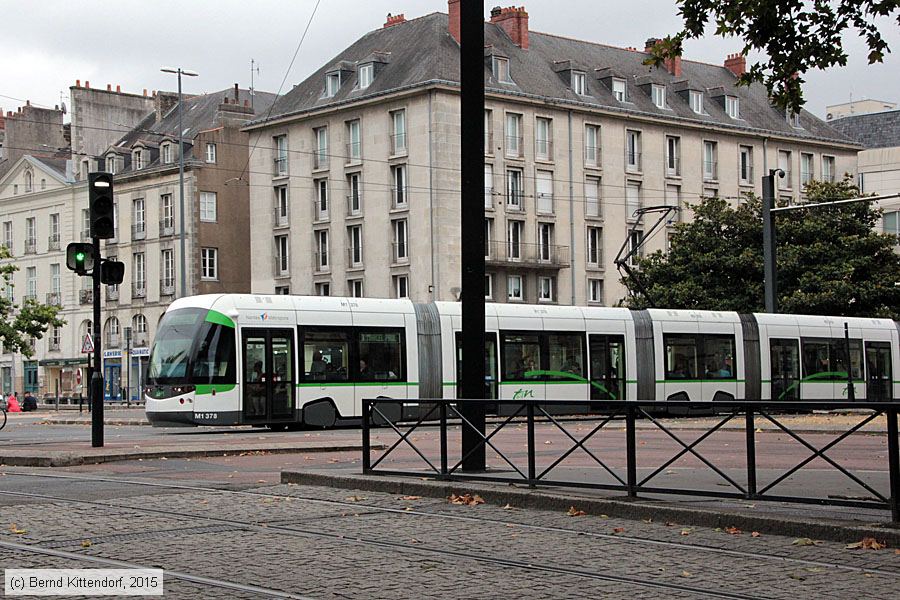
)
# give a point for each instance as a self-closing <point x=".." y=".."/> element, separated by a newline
<point x="179" y="71"/>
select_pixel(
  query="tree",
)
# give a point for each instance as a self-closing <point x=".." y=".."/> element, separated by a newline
<point x="796" y="35"/>
<point x="830" y="260"/>
<point x="19" y="324"/>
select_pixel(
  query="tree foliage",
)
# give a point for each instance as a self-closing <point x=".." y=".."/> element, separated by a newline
<point x="796" y="35"/>
<point x="19" y="324"/>
<point x="830" y="260"/>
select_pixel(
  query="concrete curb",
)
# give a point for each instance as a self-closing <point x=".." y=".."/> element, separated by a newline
<point x="74" y="459"/>
<point x="124" y="422"/>
<point x="642" y="509"/>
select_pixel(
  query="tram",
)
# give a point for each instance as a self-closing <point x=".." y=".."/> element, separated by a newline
<point x="286" y="361"/>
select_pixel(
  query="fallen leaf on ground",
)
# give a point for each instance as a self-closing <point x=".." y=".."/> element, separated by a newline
<point x="15" y="530"/>
<point x="685" y="573"/>
<point x="354" y="498"/>
<point x="508" y="507"/>
<point x="86" y="544"/>
<point x="685" y="532"/>
<point x="410" y="498"/>
<point x="669" y="524"/>
<point x="618" y="529"/>
<point x="805" y="542"/>
<point x="733" y="530"/>
<point x="574" y="512"/>
<point x="548" y="442"/>
<point x="866" y="544"/>
<point x="604" y="516"/>
<point x="755" y="534"/>
<point x="466" y="499"/>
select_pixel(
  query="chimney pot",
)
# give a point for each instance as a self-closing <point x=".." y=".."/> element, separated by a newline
<point x="454" y="14"/>
<point x="145" y="91"/>
<point x="77" y="83"/>
<point x="394" y="20"/>
<point x="108" y="87"/>
<point x="736" y="63"/>
<point x="87" y="84"/>
<point x="495" y="12"/>
<point x="514" y="21"/>
<point x="648" y="45"/>
<point x="118" y="89"/>
<point x="237" y="93"/>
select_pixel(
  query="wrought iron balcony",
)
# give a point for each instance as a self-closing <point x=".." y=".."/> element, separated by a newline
<point x="138" y="231"/>
<point x="399" y="197"/>
<point x="140" y="339"/>
<point x="355" y="257"/>
<point x="167" y="226"/>
<point x="710" y="170"/>
<point x="167" y="286"/>
<point x="398" y="144"/>
<point x="139" y="289"/>
<point x="321" y="264"/>
<point x="30" y="246"/>
<point x="112" y="292"/>
<point x="399" y="253"/>
<point x="320" y="159"/>
<point x="85" y="296"/>
<point x="632" y="161"/>
<point x="112" y="340"/>
<point x="522" y="255"/>
<point x="354" y="152"/>
<point x="54" y="299"/>
<point x="543" y="149"/>
<point x="281" y="216"/>
<point x="592" y="156"/>
<point x="53" y="242"/>
<point x="514" y="145"/>
<point x="280" y="166"/>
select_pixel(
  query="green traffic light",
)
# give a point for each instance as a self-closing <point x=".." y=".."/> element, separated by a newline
<point x="79" y="256"/>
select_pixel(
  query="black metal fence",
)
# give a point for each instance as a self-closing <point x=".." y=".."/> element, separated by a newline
<point x="523" y="467"/>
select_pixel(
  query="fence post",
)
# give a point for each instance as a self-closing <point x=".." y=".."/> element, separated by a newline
<point x="529" y="408"/>
<point x="750" y="427"/>
<point x="894" y="463"/>
<point x="366" y="458"/>
<point x="443" y="437"/>
<point x="631" y="451"/>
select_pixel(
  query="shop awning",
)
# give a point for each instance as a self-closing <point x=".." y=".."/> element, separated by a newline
<point x="63" y="362"/>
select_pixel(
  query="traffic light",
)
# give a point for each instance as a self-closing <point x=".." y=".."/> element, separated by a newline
<point x="112" y="272"/>
<point x="80" y="257"/>
<point x="100" y="196"/>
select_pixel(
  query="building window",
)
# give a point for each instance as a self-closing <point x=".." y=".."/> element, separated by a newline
<point x="594" y="246"/>
<point x="401" y="286"/>
<point x="500" y="69"/>
<point x="592" y="197"/>
<point x="8" y="235"/>
<point x="401" y="240"/>
<point x="784" y="163"/>
<point x="366" y="74"/>
<point x="488" y="237"/>
<point x="891" y="223"/>
<point x="209" y="263"/>
<point x="746" y="166"/>
<point x="488" y="186"/>
<point x="320" y="158"/>
<point x="167" y="280"/>
<point x="488" y="132"/>
<point x="282" y="211"/>
<point x="514" y="240"/>
<point x="30" y="235"/>
<point x="806" y="168"/>
<point x="166" y="154"/>
<point x="354" y="233"/>
<point x="281" y="156"/>
<point x="321" y="186"/>
<point x="355" y="287"/>
<point x="544" y="189"/>
<point x="595" y="290"/>
<point x="167" y="223"/>
<point x="31" y="283"/>
<point x="398" y="134"/>
<point x="55" y="281"/>
<point x="861" y="182"/>
<point x="514" y="190"/>
<point x="710" y="164"/>
<point x="112" y="332"/>
<point x="635" y="240"/>
<point x="618" y="89"/>
<point x="282" y="290"/>
<point x="545" y="289"/>
<point x="332" y="83"/>
<point x="138" y="275"/>
<point x="208" y="207"/>
<point x="323" y="289"/>
<point x="632" y="199"/>
<point x="793" y="118"/>
<point x="354" y="149"/>
<point x="488" y="286"/>
<point x="733" y="107"/>
<point x="514" y="292"/>
<point x="354" y="198"/>
<point x="139" y="219"/>
<point x="658" y="93"/>
<point x="632" y="150"/>
<point x="513" y="135"/>
<point x="696" y="101"/>
<point x="282" y="255"/>
<point x="579" y="83"/>
<point x="210" y="152"/>
<point x="545" y="241"/>
<point x="673" y="156"/>
<point x="543" y="146"/>
<point x="138" y="159"/>
<point x="111" y="164"/>
<point x="399" y="192"/>
<point x="828" y="169"/>
<point x="592" y="145"/>
<point x="322" y="250"/>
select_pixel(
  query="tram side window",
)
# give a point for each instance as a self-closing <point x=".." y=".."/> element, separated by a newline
<point x="214" y="355"/>
<point x="326" y="355"/>
<point x="700" y="356"/>
<point x="566" y="355"/>
<point x="381" y="355"/>
<point x="681" y="356"/>
<point x="521" y="356"/>
<point x="826" y="359"/>
<point x="839" y="358"/>
<point x="718" y="357"/>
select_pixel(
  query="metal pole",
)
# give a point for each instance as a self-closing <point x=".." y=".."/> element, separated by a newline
<point x="97" y="376"/>
<point x="443" y="437"/>
<point x="851" y="392"/>
<point x="770" y="275"/>
<point x="631" y="451"/>
<point x="532" y="469"/>
<point x="472" y="230"/>
<point x="366" y="446"/>
<point x="893" y="463"/>
<point x="181" y="186"/>
<point x="127" y="362"/>
<point x="750" y="427"/>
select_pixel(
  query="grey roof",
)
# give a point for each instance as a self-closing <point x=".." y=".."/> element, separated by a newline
<point x="874" y="130"/>
<point x="422" y="51"/>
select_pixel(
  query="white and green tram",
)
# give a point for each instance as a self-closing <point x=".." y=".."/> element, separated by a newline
<point x="286" y="361"/>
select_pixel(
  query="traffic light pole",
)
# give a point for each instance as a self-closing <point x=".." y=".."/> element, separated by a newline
<point x="97" y="376"/>
<point x="770" y="275"/>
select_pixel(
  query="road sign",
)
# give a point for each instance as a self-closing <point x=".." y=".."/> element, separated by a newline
<point x="87" y="346"/>
<point x="77" y="376"/>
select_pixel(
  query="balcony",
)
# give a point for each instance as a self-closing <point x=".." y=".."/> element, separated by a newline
<point x="112" y="293"/>
<point x="280" y="167"/>
<point x="592" y="156"/>
<point x="354" y="152"/>
<point x="167" y="286"/>
<point x="632" y="161"/>
<point x="85" y="296"/>
<point x="30" y="246"/>
<point x="399" y="253"/>
<point x="29" y="298"/>
<point x="399" y="198"/>
<point x="514" y="146"/>
<point x="673" y="166"/>
<point x="166" y="226"/>
<point x="53" y="346"/>
<point x="710" y="170"/>
<point x="138" y="232"/>
<point x="398" y="144"/>
<point x="85" y="235"/>
<point x="354" y="205"/>
<point x="515" y="200"/>
<point x="355" y="258"/>
<point x="281" y="216"/>
<point x="528" y="256"/>
<point x="54" y="299"/>
<point x="53" y="242"/>
<point x="320" y="160"/>
<point x="543" y="149"/>
<point x="321" y="264"/>
<point x="139" y="289"/>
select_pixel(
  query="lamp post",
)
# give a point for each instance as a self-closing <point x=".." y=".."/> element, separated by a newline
<point x="179" y="71"/>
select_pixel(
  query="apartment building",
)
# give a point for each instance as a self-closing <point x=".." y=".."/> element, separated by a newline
<point x="357" y="181"/>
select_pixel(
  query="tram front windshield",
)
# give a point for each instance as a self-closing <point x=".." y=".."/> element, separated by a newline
<point x="190" y="349"/>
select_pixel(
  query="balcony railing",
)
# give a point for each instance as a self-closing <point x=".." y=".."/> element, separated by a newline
<point x="53" y="242"/>
<point x="399" y="253"/>
<point x="167" y="286"/>
<point x="281" y="216"/>
<point x="515" y="200"/>
<point x="632" y="161"/>
<point x="489" y="198"/>
<point x="85" y="235"/>
<point x="354" y="205"/>
<point x="27" y="297"/>
<point x="673" y="166"/>
<point x="354" y="257"/>
<point x="53" y="346"/>
<point x="398" y="144"/>
<point x="747" y="174"/>
<point x="139" y="289"/>
<point x="320" y="213"/>
<point x="399" y="197"/>
<point x="282" y="267"/>
<point x="514" y="145"/>
<point x="354" y="152"/>
<point x="54" y="299"/>
<point x="31" y="246"/>
<point x="805" y="177"/>
<point x="536" y="256"/>
<point x="710" y="170"/>
<point x="785" y="183"/>
<point x="321" y="264"/>
<point x="167" y="226"/>
<point x="280" y="166"/>
<point x="85" y="296"/>
<point x="320" y="159"/>
<point x="592" y="156"/>
<point x="543" y="149"/>
<point x="112" y="292"/>
<point x="138" y="231"/>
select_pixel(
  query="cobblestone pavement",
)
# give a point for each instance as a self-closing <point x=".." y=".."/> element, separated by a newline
<point x="329" y="543"/>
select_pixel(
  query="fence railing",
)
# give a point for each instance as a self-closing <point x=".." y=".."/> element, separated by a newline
<point x="623" y="467"/>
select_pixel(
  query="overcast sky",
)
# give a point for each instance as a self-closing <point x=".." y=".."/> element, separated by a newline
<point x="46" y="46"/>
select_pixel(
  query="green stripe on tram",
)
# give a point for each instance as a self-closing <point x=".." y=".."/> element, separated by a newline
<point x="357" y="383"/>
<point x="214" y="316"/>
<point x="207" y="389"/>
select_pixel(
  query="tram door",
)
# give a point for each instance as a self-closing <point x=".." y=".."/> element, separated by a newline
<point x="268" y="377"/>
<point x="607" y="367"/>
<point x="785" y="362"/>
<point x="878" y="371"/>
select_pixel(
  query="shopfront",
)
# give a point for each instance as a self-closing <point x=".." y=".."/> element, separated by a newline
<point x="112" y="375"/>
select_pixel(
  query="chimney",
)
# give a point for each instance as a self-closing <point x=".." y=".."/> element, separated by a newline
<point x="394" y="20"/>
<point x="145" y="92"/>
<point x="648" y="45"/>
<point x="237" y="94"/>
<point x="77" y="83"/>
<point x="118" y="89"/>
<point x="736" y="63"/>
<point x="453" y="11"/>
<point x="514" y="21"/>
<point x="108" y="87"/>
<point x="87" y="84"/>
<point x="164" y="102"/>
<point x="672" y="65"/>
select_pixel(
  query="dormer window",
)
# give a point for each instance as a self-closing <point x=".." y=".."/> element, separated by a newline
<point x="658" y="93"/>
<point x="332" y="84"/>
<point x="137" y="159"/>
<point x="618" y="89"/>
<point x="733" y="107"/>
<point x="111" y="163"/>
<point x="166" y="153"/>
<point x="500" y="68"/>
<point x="578" y="83"/>
<point x="696" y="99"/>
<point x="793" y="118"/>
<point x="366" y="74"/>
<point x="29" y="182"/>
